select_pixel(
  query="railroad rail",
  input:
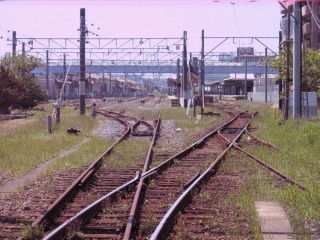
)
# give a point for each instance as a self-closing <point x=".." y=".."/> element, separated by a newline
<point x="161" y="193"/>
<point x="53" y="210"/>
<point x="165" y="226"/>
<point x="159" y="168"/>
<point x="94" y="208"/>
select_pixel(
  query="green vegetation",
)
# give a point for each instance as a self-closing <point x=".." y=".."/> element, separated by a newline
<point x="18" y="87"/>
<point x="33" y="232"/>
<point x="73" y="235"/>
<point x="243" y="200"/>
<point x="26" y="143"/>
<point x="297" y="157"/>
<point x="83" y="156"/>
<point x="310" y="73"/>
<point x="127" y="154"/>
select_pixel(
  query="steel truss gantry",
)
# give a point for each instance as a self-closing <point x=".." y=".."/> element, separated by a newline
<point x="144" y="51"/>
<point x="106" y="51"/>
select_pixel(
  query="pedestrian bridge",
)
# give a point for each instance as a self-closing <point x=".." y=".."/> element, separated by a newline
<point x="220" y="69"/>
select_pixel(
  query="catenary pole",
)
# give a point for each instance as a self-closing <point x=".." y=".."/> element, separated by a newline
<point x="280" y="80"/>
<point x="201" y="85"/>
<point x="286" y="87"/>
<point x="297" y="61"/>
<point x="184" y="66"/>
<point x="23" y="48"/>
<point x="64" y="76"/>
<point x="82" y="85"/>
<point x="47" y="73"/>
<point x="14" y="43"/>
<point x="178" y="80"/>
<point x="245" y="79"/>
<point x="266" y="76"/>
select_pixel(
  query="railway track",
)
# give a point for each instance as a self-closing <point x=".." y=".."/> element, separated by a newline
<point x="76" y="182"/>
<point x="134" y="212"/>
<point x="189" y="217"/>
<point x="147" y="205"/>
<point x="106" y="217"/>
<point x="82" y="180"/>
<point x="165" y="185"/>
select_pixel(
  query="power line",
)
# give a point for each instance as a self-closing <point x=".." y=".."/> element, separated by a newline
<point x="315" y="17"/>
<point x="236" y="18"/>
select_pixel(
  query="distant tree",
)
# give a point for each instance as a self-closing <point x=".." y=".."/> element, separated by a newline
<point x="18" y="89"/>
<point x="8" y="90"/>
<point x="310" y="69"/>
<point x="20" y="65"/>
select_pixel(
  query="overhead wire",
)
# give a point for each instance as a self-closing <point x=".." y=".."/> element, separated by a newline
<point x="236" y="18"/>
<point x="315" y="17"/>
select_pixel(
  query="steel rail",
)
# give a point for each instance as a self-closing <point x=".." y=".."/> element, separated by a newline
<point x="260" y="140"/>
<point x="119" y="114"/>
<point x="272" y="169"/>
<point x="53" y="210"/>
<point x="164" y="226"/>
<point x="141" y="121"/>
<point x="244" y="129"/>
<point x="167" y="163"/>
<point x="135" y="125"/>
<point x="89" y="211"/>
<point x="134" y="211"/>
<point x="93" y="208"/>
<point x="150" y="173"/>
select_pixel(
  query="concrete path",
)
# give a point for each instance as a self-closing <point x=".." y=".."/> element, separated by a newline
<point x="273" y="221"/>
<point x="32" y="175"/>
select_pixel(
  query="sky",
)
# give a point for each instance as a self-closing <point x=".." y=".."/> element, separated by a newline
<point x="153" y="18"/>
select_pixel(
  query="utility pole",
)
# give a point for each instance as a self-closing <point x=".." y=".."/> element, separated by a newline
<point x="245" y="79"/>
<point x="280" y="80"/>
<point x="184" y="67"/>
<point x="82" y="83"/>
<point x="201" y="82"/>
<point x="286" y="86"/>
<point x="125" y="84"/>
<point x="14" y="43"/>
<point x="195" y="65"/>
<point x="47" y="73"/>
<point x="110" y="84"/>
<point x="297" y="61"/>
<point x="104" y="88"/>
<point x="266" y="76"/>
<point x="178" y="80"/>
<point x="23" y="48"/>
<point x="64" y="76"/>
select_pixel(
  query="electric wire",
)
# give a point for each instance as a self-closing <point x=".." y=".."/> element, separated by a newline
<point x="315" y="17"/>
<point x="236" y="18"/>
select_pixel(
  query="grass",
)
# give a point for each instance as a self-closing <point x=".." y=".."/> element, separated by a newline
<point x="33" y="232"/>
<point x="83" y="156"/>
<point x="298" y="158"/>
<point x="127" y="154"/>
<point x="298" y="142"/>
<point x="26" y="143"/>
<point x="244" y="198"/>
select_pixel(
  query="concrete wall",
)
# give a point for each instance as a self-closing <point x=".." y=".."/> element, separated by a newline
<point x="272" y="97"/>
<point x="308" y="108"/>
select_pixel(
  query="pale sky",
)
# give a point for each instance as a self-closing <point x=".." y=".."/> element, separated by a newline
<point x="133" y="18"/>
